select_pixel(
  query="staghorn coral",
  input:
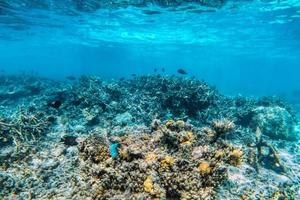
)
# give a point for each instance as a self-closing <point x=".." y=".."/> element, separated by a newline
<point x="25" y="125"/>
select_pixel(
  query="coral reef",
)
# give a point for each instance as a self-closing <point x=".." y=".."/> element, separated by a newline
<point x="276" y="122"/>
<point x="149" y="137"/>
<point x="158" y="164"/>
<point x="23" y="126"/>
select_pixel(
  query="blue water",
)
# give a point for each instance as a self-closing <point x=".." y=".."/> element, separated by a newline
<point x="244" y="47"/>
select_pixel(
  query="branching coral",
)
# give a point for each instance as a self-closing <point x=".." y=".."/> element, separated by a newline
<point x="221" y="127"/>
<point x="154" y="167"/>
<point x="24" y="126"/>
<point x="122" y="156"/>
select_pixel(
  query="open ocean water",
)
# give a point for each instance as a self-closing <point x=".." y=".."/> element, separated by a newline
<point x="149" y="99"/>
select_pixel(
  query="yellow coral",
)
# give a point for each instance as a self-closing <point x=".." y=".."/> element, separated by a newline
<point x="151" y="157"/>
<point x="170" y="123"/>
<point x="204" y="168"/>
<point x="102" y="155"/>
<point x="148" y="185"/>
<point x="244" y="197"/>
<point x="208" y="131"/>
<point x="124" y="153"/>
<point x="187" y="143"/>
<point x="168" y="161"/>
<point x="278" y="195"/>
<point x="180" y="124"/>
<point x="187" y="139"/>
<point x="190" y="135"/>
<point x="219" y="153"/>
<point x="236" y="157"/>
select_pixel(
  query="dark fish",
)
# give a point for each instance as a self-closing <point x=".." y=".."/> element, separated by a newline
<point x="152" y="12"/>
<point x="69" y="140"/>
<point x="51" y="119"/>
<point x="155" y="69"/>
<point x="163" y="69"/>
<point x="134" y="75"/>
<point x="182" y="71"/>
<point x="122" y="79"/>
<point x="55" y="104"/>
<point x="71" y="78"/>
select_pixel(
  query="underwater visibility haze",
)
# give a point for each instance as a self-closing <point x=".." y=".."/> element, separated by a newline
<point x="149" y="99"/>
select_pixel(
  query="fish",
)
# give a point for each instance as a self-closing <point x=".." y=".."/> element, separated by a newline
<point x="182" y="71"/>
<point x="163" y="69"/>
<point x="71" y="78"/>
<point x="122" y="79"/>
<point x="134" y="75"/>
<point x="113" y="150"/>
<point x="152" y="12"/>
<point x="155" y="70"/>
<point x="55" y="104"/>
<point x="69" y="140"/>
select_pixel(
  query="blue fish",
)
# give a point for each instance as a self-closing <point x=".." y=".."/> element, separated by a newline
<point x="113" y="150"/>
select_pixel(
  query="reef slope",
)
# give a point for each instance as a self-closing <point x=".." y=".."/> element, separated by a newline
<point x="150" y="137"/>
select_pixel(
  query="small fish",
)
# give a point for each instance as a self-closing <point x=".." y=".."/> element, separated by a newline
<point x="182" y="71"/>
<point x="69" y="140"/>
<point x="163" y="69"/>
<point x="122" y="79"/>
<point x="155" y="70"/>
<point x="151" y="12"/>
<point x="71" y="78"/>
<point x="51" y="119"/>
<point x="113" y="150"/>
<point x="134" y="75"/>
<point x="55" y="104"/>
